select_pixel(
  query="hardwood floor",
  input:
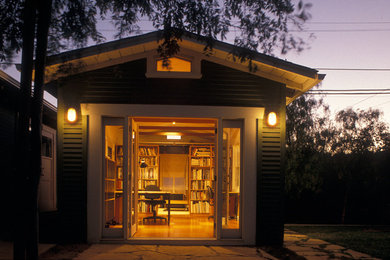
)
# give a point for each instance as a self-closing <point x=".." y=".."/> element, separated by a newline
<point x="181" y="226"/>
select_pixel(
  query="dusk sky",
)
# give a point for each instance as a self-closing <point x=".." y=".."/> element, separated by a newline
<point x="348" y="34"/>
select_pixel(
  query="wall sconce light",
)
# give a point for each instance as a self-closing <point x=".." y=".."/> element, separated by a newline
<point x="71" y="115"/>
<point x="272" y="119"/>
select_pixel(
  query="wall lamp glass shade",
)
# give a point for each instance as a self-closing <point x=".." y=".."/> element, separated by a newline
<point x="71" y="115"/>
<point x="272" y="119"/>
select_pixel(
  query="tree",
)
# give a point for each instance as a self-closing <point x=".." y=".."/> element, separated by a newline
<point x="359" y="134"/>
<point x="38" y="26"/>
<point x="338" y="163"/>
<point x="308" y="131"/>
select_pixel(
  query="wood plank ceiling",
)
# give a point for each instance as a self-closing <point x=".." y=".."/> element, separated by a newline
<point x="191" y="130"/>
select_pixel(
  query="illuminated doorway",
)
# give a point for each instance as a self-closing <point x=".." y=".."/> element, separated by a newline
<point x="173" y="182"/>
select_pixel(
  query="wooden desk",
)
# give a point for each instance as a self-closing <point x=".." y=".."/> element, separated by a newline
<point x="159" y="193"/>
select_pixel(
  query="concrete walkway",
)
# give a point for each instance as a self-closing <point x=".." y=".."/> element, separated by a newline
<point x="153" y="252"/>
<point x="313" y="249"/>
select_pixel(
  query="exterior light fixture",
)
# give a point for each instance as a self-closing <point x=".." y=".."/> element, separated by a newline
<point x="71" y="115"/>
<point x="174" y="137"/>
<point x="272" y="119"/>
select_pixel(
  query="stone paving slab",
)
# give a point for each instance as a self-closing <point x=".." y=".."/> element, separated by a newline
<point x="334" y="247"/>
<point x="315" y="249"/>
<point x="357" y="255"/>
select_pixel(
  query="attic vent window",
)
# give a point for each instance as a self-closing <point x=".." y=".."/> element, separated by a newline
<point x="174" y="65"/>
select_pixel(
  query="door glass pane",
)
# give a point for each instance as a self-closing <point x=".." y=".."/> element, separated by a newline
<point x="231" y="178"/>
<point x="47" y="147"/>
<point x="113" y="177"/>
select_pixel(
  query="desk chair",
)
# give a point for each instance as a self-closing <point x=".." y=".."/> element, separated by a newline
<point x="153" y="200"/>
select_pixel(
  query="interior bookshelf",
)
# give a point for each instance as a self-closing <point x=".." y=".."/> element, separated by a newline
<point x="119" y="167"/>
<point x="109" y="179"/>
<point x="148" y="154"/>
<point x="201" y="177"/>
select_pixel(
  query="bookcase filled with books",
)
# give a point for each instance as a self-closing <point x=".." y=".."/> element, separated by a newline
<point x="148" y="156"/>
<point x="201" y="177"/>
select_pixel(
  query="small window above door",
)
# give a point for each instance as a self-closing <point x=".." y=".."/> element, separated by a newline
<point x="183" y="65"/>
<point x="174" y="64"/>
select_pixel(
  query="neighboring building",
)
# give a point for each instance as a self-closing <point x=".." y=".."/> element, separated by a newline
<point x="197" y="130"/>
<point x="9" y="92"/>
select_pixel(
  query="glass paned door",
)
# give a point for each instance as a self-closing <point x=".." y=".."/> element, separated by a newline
<point x="231" y="178"/>
<point x="113" y="174"/>
<point x="133" y="178"/>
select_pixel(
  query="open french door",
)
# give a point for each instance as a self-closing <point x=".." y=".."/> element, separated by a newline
<point x="132" y="180"/>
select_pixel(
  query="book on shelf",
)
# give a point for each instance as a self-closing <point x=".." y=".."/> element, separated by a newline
<point x="198" y="195"/>
<point x="149" y="173"/>
<point x="201" y="162"/>
<point x="150" y="161"/>
<point x="200" y="174"/>
<point x="200" y="207"/>
<point x="144" y="207"/>
<point x="201" y="151"/>
<point x="147" y="151"/>
<point x="199" y="185"/>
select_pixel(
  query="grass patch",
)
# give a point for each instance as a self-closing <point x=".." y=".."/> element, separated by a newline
<point x="372" y="240"/>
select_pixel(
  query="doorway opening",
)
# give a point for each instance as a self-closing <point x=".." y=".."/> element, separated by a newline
<point x="172" y="183"/>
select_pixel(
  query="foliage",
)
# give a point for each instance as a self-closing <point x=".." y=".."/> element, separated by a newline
<point x="336" y="170"/>
<point x="261" y="25"/>
<point x="10" y="28"/>
<point x="360" y="131"/>
<point x="306" y="141"/>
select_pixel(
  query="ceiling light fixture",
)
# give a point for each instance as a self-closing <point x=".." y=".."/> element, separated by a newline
<point x="174" y="137"/>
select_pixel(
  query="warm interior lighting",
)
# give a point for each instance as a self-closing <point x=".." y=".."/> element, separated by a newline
<point x="272" y="119"/>
<point x="174" y="137"/>
<point x="173" y="123"/>
<point x="71" y="115"/>
<point x="175" y="65"/>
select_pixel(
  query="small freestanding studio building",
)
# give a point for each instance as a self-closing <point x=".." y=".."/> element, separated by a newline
<point x="204" y="136"/>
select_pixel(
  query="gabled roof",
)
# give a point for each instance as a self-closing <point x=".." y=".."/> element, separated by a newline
<point x="298" y="79"/>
